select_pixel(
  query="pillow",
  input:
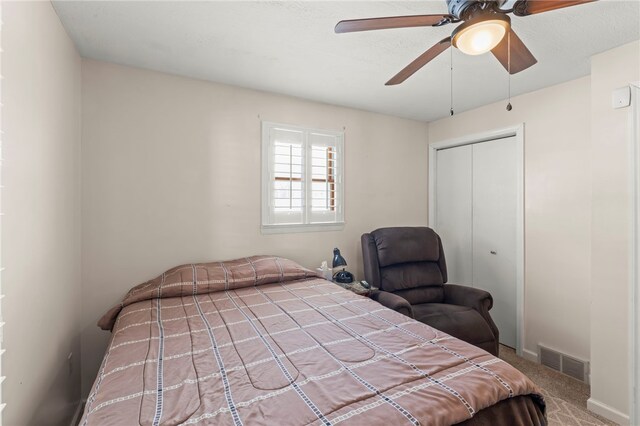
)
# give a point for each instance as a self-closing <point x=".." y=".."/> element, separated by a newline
<point x="200" y="278"/>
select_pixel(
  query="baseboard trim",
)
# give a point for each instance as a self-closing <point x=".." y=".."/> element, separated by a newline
<point x="78" y="413"/>
<point x="530" y="355"/>
<point x="607" y="412"/>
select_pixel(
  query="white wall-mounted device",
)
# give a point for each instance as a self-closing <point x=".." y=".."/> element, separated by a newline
<point x="621" y="98"/>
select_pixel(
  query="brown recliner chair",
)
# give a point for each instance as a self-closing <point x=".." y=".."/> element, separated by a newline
<point x="408" y="266"/>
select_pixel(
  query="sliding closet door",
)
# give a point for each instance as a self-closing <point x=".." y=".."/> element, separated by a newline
<point x="494" y="230"/>
<point x="476" y="207"/>
<point x="453" y="213"/>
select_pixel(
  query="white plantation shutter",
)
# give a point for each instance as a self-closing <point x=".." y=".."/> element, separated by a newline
<point x="2" y="377"/>
<point x="302" y="179"/>
<point x="286" y="176"/>
<point x="326" y="178"/>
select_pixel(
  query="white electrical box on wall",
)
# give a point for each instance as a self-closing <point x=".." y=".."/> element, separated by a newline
<point x="621" y="98"/>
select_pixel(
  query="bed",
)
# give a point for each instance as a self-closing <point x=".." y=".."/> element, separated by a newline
<point x="264" y="341"/>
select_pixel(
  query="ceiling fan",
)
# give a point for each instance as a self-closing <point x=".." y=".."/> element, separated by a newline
<point x="484" y="26"/>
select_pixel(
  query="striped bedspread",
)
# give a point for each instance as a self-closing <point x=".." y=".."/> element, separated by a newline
<point x="203" y="344"/>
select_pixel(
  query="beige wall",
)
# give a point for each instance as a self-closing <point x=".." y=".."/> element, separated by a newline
<point x="557" y="207"/>
<point x="171" y="174"/>
<point x="41" y="222"/>
<point x="610" y="230"/>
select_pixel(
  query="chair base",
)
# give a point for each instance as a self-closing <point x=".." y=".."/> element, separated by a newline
<point x="461" y="322"/>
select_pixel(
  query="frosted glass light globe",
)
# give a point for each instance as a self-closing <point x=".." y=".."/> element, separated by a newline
<point x="476" y="38"/>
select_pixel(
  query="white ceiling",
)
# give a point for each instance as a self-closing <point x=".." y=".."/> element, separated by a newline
<point x="289" y="47"/>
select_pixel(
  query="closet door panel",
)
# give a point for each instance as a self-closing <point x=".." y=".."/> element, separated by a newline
<point x="453" y="211"/>
<point x="494" y="230"/>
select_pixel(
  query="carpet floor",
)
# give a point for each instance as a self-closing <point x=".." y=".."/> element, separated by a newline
<point x="566" y="397"/>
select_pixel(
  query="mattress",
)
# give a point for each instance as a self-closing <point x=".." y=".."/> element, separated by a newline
<point x="263" y="341"/>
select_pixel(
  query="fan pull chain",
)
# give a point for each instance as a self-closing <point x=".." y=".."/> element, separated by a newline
<point x="451" y="80"/>
<point x="509" y="107"/>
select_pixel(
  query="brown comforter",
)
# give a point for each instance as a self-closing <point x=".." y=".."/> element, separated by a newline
<point x="263" y="341"/>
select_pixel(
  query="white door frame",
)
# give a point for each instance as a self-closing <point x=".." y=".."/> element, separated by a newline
<point x="634" y="261"/>
<point x="518" y="133"/>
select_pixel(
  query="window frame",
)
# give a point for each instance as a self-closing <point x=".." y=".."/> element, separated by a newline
<point x="268" y="226"/>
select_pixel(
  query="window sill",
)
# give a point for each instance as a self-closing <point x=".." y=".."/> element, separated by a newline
<point x="312" y="227"/>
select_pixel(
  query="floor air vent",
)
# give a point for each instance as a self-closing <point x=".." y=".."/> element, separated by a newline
<point x="566" y="364"/>
<point x="551" y="359"/>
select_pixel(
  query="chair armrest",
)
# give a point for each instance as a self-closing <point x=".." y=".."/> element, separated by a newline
<point x="480" y="300"/>
<point x="475" y="298"/>
<point x="393" y="301"/>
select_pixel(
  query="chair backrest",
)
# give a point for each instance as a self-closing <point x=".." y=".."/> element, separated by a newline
<point x="407" y="261"/>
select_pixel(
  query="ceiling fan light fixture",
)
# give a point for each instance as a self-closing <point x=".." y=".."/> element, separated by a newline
<point x="481" y="34"/>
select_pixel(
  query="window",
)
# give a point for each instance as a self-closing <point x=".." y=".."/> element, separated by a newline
<point x="302" y="179"/>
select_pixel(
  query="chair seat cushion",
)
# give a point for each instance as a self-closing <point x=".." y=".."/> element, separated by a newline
<point x="459" y="321"/>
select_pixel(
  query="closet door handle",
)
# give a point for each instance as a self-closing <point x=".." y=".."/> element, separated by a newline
<point x="493" y="252"/>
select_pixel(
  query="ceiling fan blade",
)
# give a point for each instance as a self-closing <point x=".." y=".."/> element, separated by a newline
<point x="531" y="7"/>
<point x="390" y="22"/>
<point x="521" y="57"/>
<point x="420" y="61"/>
